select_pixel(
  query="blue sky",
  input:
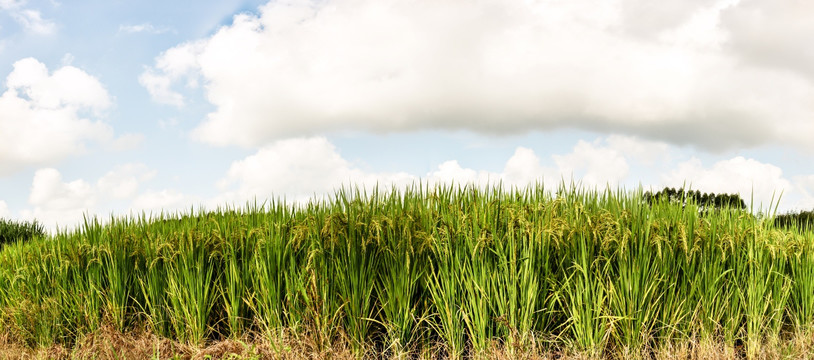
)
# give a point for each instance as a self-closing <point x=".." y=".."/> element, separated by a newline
<point x="112" y="107"/>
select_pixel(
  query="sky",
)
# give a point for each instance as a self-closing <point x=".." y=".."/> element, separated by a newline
<point x="112" y="107"/>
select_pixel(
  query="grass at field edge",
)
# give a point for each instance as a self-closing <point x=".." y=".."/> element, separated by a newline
<point x="108" y="344"/>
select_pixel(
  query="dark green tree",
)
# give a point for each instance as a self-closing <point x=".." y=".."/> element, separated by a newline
<point x="11" y="231"/>
<point x="801" y="220"/>
<point x="706" y="201"/>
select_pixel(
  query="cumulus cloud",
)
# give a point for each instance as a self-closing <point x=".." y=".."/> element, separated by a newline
<point x="32" y="21"/>
<point x="747" y="177"/>
<point x="167" y="201"/>
<point x="452" y="172"/>
<point x="160" y="89"/>
<point x="775" y="33"/>
<point x="302" y="68"/>
<point x="11" y="4"/>
<point x="523" y="168"/>
<point x="592" y="164"/>
<point x="66" y="87"/>
<point x="644" y="151"/>
<point x="4" y="211"/>
<point x="602" y="164"/>
<point x="301" y="168"/>
<point x="56" y="202"/>
<point x="144" y="28"/>
<point x="804" y="185"/>
<point x="123" y="181"/>
<point x="649" y="19"/>
<point x="43" y="114"/>
<point x="298" y="168"/>
<point x="174" y="64"/>
<point x="29" y="19"/>
<point x="127" y="142"/>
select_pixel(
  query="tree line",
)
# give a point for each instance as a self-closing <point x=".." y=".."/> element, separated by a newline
<point x="708" y="201"/>
<point x="704" y="200"/>
<point x="800" y="219"/>
<point x="11" y="231"/>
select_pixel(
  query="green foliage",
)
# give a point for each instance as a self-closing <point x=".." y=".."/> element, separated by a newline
<point x="800" y="220"/>
<point x="12" y="231"/>
<point x="702" y="200"/>
<point x="397" y="272"/>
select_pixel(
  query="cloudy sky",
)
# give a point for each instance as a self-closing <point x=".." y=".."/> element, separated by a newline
<point x="109" y="107"/>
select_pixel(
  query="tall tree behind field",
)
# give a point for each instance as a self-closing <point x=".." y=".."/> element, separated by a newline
<point x="11" y="231"/>
<point x="802" y="220"/>
<point x="704" y="200"/>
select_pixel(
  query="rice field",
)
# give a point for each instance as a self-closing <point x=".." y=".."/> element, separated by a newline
<point x="427" y="272"/>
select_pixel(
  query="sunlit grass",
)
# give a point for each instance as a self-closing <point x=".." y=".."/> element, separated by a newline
<point x="453" y="270"/>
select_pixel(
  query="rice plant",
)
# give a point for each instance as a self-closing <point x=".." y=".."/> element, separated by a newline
<point x="449" y="271"/>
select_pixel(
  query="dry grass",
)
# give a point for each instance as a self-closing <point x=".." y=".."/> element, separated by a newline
<point x="107" y="344"/>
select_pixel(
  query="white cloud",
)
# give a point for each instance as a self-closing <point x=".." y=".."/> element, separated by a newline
<point x="127" y="142"/>
<point x="67" y="59"/>
<point x="297" y="168"/>
<point x="54" y="201"/>
<point x="600" y="166"/>
<point x="65" y="87"/>
<point x="160" y="90"/>
<point x="804" y="185"/>
<point x="43" y="119"/>
<point x="32" y="21"/>
<point x="4" y="211"/>
<point x="747" y="177"/>
<point x="605" y="161"/>
<point x="523" y="168"/>
<point x="452" y="172"/>
<point x="47" y="189"/>
<point x="167" y="201"/>
<point x="644" y="151"/>
<point x="144" y="28"/>
<point x="774" y="33"/>
<point x="11" y="4"/>
<point x="174" y="64"/>
<point x="123" y="181"/>
<point x="302" y="68"/>
<point x="648" y="19"/>
<point x="303" y="167"/>
<point x="165" y="124"/>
